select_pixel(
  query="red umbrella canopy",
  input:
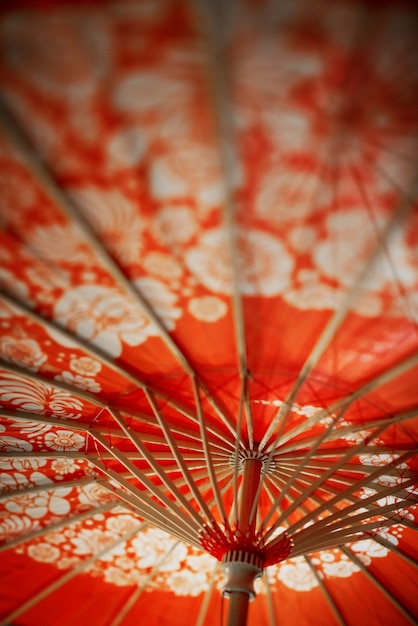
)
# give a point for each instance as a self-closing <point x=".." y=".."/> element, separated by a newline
<point x="209" y="289"/>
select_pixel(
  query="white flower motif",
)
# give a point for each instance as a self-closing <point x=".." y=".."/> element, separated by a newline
<point x="81" y="382"/>
<point x="174" y="225"/>
<point x="207" y="308"/>
<point x="60" y="243"/>
<point x="85" y="366"/>
<point x="264" y="264"/>
<point x="43" y="552"/>
<point x="162" y="265"/>
<point x="340" y="569"/>
<point x="39" y="505"/>
<point x="127" y="147"/>
<point x="103" y="316"/>
<point x="13" y="525"/>
<point x="91" y="541"/>
<point x="121" y="524"/>
<point x="115" y="218"/>
<point x="64" y="440"/>
<point x="35" y="397"/>
<point x="296" y="574"/>
<point x="64" y="466"/>
<point x="26" y="352"/>
<point x="94" y="493"/>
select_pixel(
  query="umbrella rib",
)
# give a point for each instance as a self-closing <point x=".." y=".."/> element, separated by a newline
<point x="146" y="482"/>
<point x="44" y="593"/>
<point x="16" y="136"/>
<point x="378" y="584"/>
<point x="404" y="206"/>
<point x="147" y="455"/>
<point x="344" y="403"/>
<point x="309" y="538"/>
<point x="56" y="526"/>
<point x="217" y="85"/>
<point x="165" y="518"/>
<point x="326" y="592"/>
<point x="346" y="457"/>
<point x="357" y="485"/>
<point x="178" y="457"/>
<point x="208" y="455"/>
<point x="340" y="432"/>
<point x="20" y="371"/>
<point x="96" y="352"/>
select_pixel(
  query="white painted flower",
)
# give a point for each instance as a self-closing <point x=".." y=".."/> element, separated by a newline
<point x="340" y="569"/>
<point x="22" y="465"/>
<point x="123" y="578"/>
<point x="22" y="351"/>
<point x="174" y="225"/>
<point x="107" y="319"/>
<point x="147" y="91"/>
<point x="94" y="493"/>
<point x="296" y="574"/>
<point x="36" y="397"/>
<point x="13" y="444"/>
<point x="127" y="147"/>
<point x="43" y="552"/>
<point x="39" y="505"/>
<point x="264" y="264"/>
<point x="91" y="541"/>
<point x="75" y="380"/>
<point x="162" y="265"/>
<point x="12" y="525"/>
<point x="153" y="545"/>
<point x="207" y="308"/>
<point x="64" y="466"/>
<point x="12" y="481"/>
<point x="286" y="195"/>
<point x="64" y="440"/>
<point x="59" y="243"/>
<point x="121" y="524"/>
<point x="115" y="218"/>
<point x="85" y="366"/>
<point x="186" y="583"/>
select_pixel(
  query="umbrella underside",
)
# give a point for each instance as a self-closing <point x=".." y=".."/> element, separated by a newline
<point x="208" y="311"/>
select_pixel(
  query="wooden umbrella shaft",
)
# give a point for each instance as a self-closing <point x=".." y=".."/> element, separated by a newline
<point x="241" y="574"/>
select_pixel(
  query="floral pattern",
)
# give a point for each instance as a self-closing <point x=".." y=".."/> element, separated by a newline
<point x="263" y="217"/>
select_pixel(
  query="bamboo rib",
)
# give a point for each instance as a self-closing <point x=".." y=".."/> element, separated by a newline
<point x="179" y="458"/>
<point x="379" y="585"/>
<point x="359" y="484"/>
<point x="349" y="454"/>
<point x="270" y="604"/>
<point x="147" y="508"/>
<point x="159" y="471"/>
<point x="208" y="456"/>
<point x="226" y="445"/>
<point x="44" y="593"/>
<point x="95" y="352"/>
<point x="16" y="136"/>
<point x="404" y="207"/>
<point x="329" y="599"/>
<point x="286" y="444"/>
<point x="218" y="89"/>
